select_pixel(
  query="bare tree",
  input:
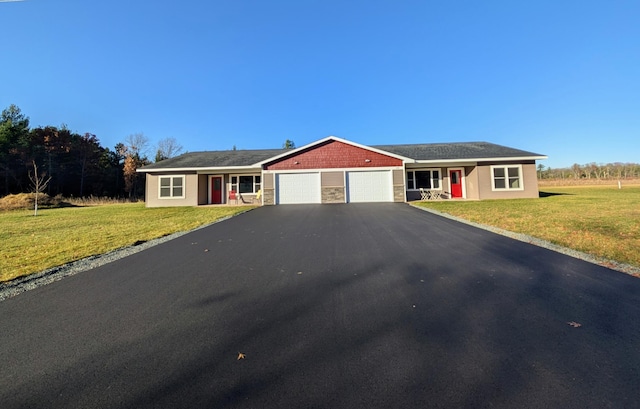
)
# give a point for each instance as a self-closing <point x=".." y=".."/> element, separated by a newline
<point x="137" y="144"/>
<point x="39" y="183"/>
<point x="575" y="168"/>
<point x="130" y="175"/>
<point x="167" y="148"/>
<point x="134" y="152"/>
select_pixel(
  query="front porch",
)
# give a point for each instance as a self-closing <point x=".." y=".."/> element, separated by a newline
<point x="436" y="183"/>
<point x="433" y="194"/>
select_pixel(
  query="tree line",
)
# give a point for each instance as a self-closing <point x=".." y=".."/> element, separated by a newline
<point x="616" y="170"/>
<point x="75" y="164"/>
<point x="78" y="165"/>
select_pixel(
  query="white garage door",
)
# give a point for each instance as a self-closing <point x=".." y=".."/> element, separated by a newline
<point x="294" y="188"/>
<point x="370" y="186"/>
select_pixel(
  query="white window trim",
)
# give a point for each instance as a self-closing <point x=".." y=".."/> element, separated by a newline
<point x="255" y="191"/>
<point x="506" y="172"/>
<point x="423" y="170"/>
<point x="171" y="177"/>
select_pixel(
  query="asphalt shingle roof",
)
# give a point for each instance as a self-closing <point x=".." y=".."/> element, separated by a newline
<point x="422" y="152"/>
<point x="214" y="159"/>
<point x="452" y="151"/>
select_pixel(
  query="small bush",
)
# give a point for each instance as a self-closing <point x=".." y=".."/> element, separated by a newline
<point x="25" y="201"/>
<point x="22" y="201"/>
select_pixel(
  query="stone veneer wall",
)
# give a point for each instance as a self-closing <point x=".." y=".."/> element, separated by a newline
<point x="333" y="195"/>
<point x="398" y="193"/>
<point x="269" y="197"/>
<point x="398" y="185"/>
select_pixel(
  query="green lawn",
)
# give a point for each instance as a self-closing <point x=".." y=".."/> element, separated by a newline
<point x="601" y="221"/>
<point x="30" y="244"/>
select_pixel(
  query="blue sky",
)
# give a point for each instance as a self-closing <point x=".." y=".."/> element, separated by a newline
<point x="560" y="78"/>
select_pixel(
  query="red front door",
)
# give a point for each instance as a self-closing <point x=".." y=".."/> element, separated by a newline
<point x="455" y="177"/>
<point x="216" y="190"/>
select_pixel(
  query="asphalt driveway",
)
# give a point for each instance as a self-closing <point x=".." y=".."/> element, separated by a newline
<point x="334" y="306"/>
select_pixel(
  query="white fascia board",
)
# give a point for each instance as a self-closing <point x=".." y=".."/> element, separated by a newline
<point x="220" y="169"/>
<point x="475" y="160"/>
<point x="514" y="158"/>
<point x="331" y="138"/>
<point x="229" y="169"/>
<point x="319" y="170"/>
<point x="439" y="163"/>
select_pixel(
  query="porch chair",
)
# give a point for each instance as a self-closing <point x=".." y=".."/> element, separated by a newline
<point x="251" y="200"/>
<point x="233" y="196"/>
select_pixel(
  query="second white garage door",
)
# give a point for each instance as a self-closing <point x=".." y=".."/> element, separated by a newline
<point x="296" y="188"/>
<point x="370" y="186"/>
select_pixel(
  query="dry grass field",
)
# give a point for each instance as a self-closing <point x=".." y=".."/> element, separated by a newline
<point x="603" y="221"/>
<point x="571" y="182"/>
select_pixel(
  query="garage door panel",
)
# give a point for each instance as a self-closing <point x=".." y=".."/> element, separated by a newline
<point x="297" y="188"/>
<point x="370" y="186"/>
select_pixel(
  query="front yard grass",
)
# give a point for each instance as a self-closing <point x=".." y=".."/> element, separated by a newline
<point x="601" y="221"/>
<point x="55" y="237"/>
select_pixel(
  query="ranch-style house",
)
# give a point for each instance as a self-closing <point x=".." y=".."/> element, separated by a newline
<point x="335" y="170"/>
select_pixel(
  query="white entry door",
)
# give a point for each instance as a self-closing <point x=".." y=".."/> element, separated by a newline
<point x="369" y="186"/>
<point x="297" y="188"/>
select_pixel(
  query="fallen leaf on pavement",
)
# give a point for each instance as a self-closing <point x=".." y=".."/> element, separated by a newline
<point x="241" y="356"/>
<point x="574" y="324"/>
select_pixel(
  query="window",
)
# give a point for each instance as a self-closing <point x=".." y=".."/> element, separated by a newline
<point x="171" y="187"/>
<point x="245" y="183"/>
<point x="507" y="177"/>
<point x="423" y="179"/>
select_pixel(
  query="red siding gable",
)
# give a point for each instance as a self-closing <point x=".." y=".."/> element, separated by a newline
<point x="333" y="154"/>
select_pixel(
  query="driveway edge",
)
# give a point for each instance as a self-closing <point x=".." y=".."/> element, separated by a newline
<point x="610" y="264"/>
<point x="29" y="282"/>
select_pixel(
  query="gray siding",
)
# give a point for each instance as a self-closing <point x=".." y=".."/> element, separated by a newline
<point x="332" y="179"/>
<point x="268" y="189"/>
<point x="190" y="191"/>
<point x="203" y="189"/>
<point x="529" y="181"/>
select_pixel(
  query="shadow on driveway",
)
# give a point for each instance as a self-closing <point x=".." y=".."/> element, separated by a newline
<point x="341" y="306"/>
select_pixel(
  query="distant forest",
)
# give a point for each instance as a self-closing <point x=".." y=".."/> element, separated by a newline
<point x="597" y="171"/>
<point x="76" y="163"/>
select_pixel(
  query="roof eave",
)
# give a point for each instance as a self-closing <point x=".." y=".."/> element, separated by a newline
<point x="475" y="160"/>
<point x="198" y="169"/>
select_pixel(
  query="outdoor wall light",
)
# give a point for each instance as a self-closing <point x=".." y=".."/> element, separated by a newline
<point x="295" y="162"/>
<point x="367" y="160"/>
